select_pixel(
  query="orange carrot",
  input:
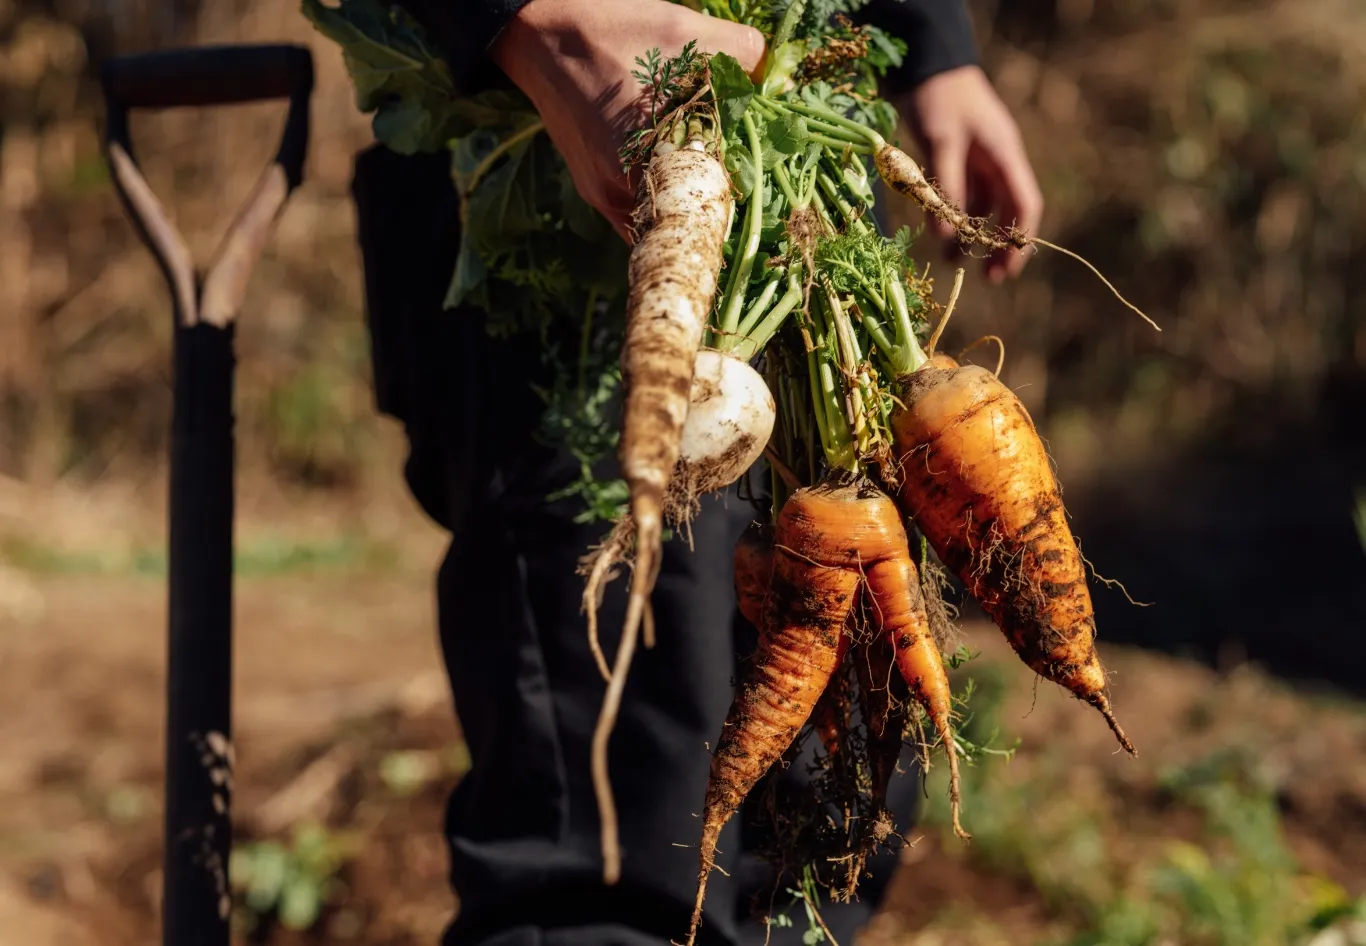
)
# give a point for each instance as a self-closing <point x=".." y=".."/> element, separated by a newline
<point x="827" y="539"/>
<point x="895" y="589"/>
<point x="753" y="565"/>
<point x="977" y="480"/>
<point x="809" y="598"/>
<point x="883" y="697"/>
<point x="829" y="718"/>
<point x="753" y="571"/>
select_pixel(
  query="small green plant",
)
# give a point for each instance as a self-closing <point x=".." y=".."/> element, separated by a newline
<point x="289" y="884"/>
<point x="808" y="897"/>
<point x="1240" y="885"/>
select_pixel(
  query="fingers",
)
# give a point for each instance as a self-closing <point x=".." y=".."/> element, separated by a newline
<point x="1021" y="202"/>
<point x="948" y="166"/>
<point x="745" y="43"/>
<point x="618" y="209"/>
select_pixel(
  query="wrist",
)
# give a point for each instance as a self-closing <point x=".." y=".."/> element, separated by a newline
<point x="536" y="39"/>
<point x="520" y="44"/>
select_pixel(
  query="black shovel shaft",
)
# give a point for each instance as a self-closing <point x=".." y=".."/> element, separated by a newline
<point x="198" y="826"/>
<point x="196" y="904"/>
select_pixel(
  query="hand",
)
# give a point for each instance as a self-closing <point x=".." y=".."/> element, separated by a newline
<point x="975" y="154"/>
<point x="574" y="58"/>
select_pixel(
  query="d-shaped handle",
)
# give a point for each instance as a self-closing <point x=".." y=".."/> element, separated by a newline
<point x="202" y="76"/>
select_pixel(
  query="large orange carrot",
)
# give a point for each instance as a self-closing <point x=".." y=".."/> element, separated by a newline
<point x="977" y="480"/>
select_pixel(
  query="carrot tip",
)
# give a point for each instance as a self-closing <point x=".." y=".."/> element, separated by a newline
<point x="1102" y="704"/>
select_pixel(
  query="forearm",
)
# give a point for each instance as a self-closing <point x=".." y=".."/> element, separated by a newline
<point x="938" y="34"/>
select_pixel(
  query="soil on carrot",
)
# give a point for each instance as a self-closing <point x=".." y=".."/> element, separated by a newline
<point x="347" y="748"/>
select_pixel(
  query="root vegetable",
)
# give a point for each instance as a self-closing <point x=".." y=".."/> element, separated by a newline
<point x="812" y="590"/>
<point x="684" y="213"/>
<point x="884" y="699"/>
<point x="731" y="413"/>
<point x="977" y="480"/>
<point x="753" y="569"/>
<point x="895" y="589"/>
<point x="828" y="540"/>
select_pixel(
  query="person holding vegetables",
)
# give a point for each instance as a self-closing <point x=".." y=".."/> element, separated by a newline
<point x="522" y="825"/>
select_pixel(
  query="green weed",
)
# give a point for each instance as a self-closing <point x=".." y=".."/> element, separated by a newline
<point x="289" y="884"/>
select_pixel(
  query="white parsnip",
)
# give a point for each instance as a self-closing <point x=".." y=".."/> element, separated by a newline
<point x="684" y="208"/>
<point x="683" y="214"/>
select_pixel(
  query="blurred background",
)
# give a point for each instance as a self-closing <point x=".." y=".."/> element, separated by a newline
<point x="1208" y="156"/>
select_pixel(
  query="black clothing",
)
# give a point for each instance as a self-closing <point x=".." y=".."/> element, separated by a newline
<point x="522" y="826"/>
<point x="938" y="34"/>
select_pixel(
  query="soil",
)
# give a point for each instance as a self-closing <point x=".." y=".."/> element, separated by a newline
<point x="336" y="672"/>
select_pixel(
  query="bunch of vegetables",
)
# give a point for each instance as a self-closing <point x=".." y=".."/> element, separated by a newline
<point x="762" y="312"/>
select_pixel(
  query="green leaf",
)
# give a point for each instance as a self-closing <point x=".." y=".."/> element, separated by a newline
<point x="301" y="902"/>
<point x="467" y="153"/>
<point x="405" y="126"/>
<point x="503" y="203"/>
<point x="740" y="164"/>
<point x="470" y="273"/>
<point x="782" y="65"/>
<point x="884" y="52"/>
<point x="495" y="108"/>
<point x="733" y="89"/>
<point x="579" y="216"/>
<point x="788" y="134"/>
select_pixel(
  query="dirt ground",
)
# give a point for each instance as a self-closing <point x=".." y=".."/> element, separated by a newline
<point x="339" y="687"/>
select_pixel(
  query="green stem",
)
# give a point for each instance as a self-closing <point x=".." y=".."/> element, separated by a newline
<point x="851" y="359"/>
<point x="908" y="355"/>
<point x="876" y="330"/>
<point x="826" y="124"/>
<point x="492" y="157"/>
<point x="832" y="191"/>
<point x="754" y="220"/>
<point x="760" y="305"/>
<point x="754" y="340"/>
<point x="830" y="142"/>
<point x="822" y="211"/>
<point x="874" y="140"/>
<point x="841" y="452"/>
<point x="818" y="402"/>
<point x="839" y="445"/>
<point x="785" y="185"/>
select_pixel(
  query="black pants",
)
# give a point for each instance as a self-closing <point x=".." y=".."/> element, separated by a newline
<point x="522" y="826"/>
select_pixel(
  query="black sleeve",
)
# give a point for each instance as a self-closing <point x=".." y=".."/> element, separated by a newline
<point x="464" y="30"/>
<point x="938" y="35"/>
